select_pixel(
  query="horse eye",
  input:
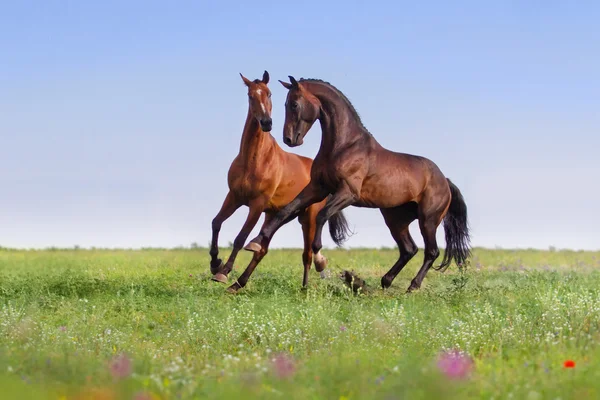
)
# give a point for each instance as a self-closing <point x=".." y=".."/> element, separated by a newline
<point x="294" y="106"/>
<point x="269" y="95"/>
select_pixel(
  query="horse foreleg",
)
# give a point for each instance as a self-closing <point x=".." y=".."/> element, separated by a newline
<point x="229" y="206"/>
<point x="256" y="209"/>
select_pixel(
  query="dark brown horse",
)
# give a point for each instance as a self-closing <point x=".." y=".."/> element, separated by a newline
<point x="352" y="168"/>
<point x="265" y="178"/>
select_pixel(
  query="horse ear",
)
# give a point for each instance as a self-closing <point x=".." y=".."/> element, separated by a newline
<point x="265" y="77"/>
<point x="286" y="85"/>
<point x="294" y="81"/>
<point x="246" y="80"/>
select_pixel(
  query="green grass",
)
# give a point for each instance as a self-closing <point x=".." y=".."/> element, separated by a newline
<point x="65" y="314"/>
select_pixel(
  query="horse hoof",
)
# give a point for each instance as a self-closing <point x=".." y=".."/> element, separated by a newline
<point x="385" y="283"/>
<point x="233" y="289"/>
<point x="219" y="277"/>
<point x="320" y="262"/>
<point x="253" y="247"/>
<point x="411" y="289"/>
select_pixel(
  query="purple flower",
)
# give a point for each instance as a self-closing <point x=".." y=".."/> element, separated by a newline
<point x="455" y="364"/>
<point x="62" y="328"/>
<point x="342" y="328"/>
<point x="284" y="366"/>
<point x="120" y="366"/>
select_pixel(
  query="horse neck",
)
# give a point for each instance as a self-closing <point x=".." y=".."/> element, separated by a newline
<point x="255" y="142"/>
<point x="338" y="125"/>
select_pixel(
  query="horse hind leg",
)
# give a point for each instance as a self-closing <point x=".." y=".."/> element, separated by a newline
<point x="308" y="221"/>
<point x="308" y="231"/>
<point x="256" y="259"/>
<point x="319" y="259"/>
<point x="254" y="213"/>
<point x="398" y="220"/>
<point x="430" y="217"/>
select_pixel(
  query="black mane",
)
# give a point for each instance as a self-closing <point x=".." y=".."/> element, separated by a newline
<point x="343" y="96"/>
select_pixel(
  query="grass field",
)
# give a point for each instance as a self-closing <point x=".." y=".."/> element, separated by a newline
<point x="150" y="324"/>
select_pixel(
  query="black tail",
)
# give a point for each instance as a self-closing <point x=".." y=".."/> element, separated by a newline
<point x="456" y="229"/>
<point x="338" y="228"/>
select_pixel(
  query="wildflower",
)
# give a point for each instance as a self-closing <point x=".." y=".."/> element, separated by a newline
<point x="142" y="396"/>
<point x="342" y="328"/>
<point x="62" y="328"/>
<point x="569" y="364"/>
<point x="455" y="365"/>
<point x="120" y="367"/>
<point x="284" y="366"/>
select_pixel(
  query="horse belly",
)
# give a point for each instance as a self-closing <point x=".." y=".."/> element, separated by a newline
<point x="385" y="194"/>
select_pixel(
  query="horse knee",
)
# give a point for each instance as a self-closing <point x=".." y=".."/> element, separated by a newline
<point x="432" y="253"/>
<point x="413" y="252"/>
<point x="216" y="224"/>
<point x="410" y="251"/>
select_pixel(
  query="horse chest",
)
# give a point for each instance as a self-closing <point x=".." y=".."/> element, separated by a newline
<point x="246" y="183"/>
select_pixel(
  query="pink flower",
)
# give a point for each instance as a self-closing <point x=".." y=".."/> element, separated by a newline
<point x="284" y="366"/>
<point x="62" y="328"/>
<point x="455" y="364"/>
<point x="343" y="328"/>
<point x="120" y="366"/>
<point x="142" y="396"/>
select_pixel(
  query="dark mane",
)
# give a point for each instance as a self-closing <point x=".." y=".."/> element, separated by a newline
<point x="342" y="96"/>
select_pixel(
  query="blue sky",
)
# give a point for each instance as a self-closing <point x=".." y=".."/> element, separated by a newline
<point x="118" y="120"/>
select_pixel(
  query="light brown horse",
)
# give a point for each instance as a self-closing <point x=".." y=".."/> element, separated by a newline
<point x="265" y="178"/>
<point x="352" y="168"/>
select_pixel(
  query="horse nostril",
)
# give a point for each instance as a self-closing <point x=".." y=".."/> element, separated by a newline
<point x="287" y="141"/>
<point x="265" y="124"/>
